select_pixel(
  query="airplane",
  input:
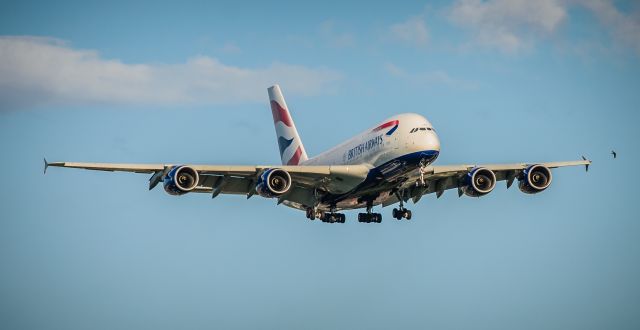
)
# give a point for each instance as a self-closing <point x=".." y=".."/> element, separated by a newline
<point x="389" y="163"/>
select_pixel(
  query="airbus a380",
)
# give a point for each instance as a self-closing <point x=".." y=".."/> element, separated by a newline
<point x="387" y="164"/>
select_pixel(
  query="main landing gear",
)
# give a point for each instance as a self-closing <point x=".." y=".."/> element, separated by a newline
<point x="329" y="217"/>
<point x="333" y="217"/>
<point x="370" y="217"/>
<point x="401" y="212"/>
<point x="311" y="213"/>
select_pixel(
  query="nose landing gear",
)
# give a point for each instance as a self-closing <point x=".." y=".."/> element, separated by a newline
<point x="422" y="169"/>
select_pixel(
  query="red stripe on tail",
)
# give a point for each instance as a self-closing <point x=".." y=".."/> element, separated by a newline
<point x="295" y="159"/>
<point x="280" y="114"/>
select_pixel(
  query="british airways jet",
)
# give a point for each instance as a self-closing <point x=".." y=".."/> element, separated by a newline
<point x="387" y="164"/>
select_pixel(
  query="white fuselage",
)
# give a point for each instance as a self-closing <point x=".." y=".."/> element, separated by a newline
<point x="414" y="133"/>
<point x="391" y="150"/>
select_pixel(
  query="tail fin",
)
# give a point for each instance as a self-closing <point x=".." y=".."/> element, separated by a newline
<point x="291" y="149"/>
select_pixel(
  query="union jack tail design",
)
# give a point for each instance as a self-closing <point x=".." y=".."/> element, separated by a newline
<point x="291" y="149"/>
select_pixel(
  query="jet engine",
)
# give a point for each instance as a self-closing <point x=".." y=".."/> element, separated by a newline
<point x="479" y="182"/>
<point x="534" y="179"/>
<point x="180" y="180"/>
<point x="273" y="182"/>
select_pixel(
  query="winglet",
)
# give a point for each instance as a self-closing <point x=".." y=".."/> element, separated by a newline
<point x="586" y="166"/>
<point x="46" y="165"/>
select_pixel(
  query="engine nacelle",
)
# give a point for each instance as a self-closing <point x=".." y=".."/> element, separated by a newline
<point x="180" y="180"/>
<point x="273" y="182"/>
<point x="479" y="182"/>
<point x="534" y="179"/>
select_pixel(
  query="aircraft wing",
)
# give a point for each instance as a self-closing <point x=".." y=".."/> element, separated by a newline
<point x="242" y="179"/>
<point x="440" y="178"/>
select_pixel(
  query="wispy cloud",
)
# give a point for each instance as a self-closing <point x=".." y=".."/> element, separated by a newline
<point x="412" y="32"/>
<point x="624" y="28"/>
<point x="509" y="25"/>
<point x="37" y="71"/>
<point x="230" y="48"/>
<point x="431" y="78"/>
<point x="335" y="38"/>
<point x="515" y="25"/>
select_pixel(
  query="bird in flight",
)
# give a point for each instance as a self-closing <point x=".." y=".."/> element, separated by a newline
<point x="614" y="153"/>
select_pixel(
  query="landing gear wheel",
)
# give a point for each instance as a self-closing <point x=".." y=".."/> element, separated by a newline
<point x="333" y="217"/>
<point x="401" y="213"/>
<point x="311" y="214"/>
<point x="369" y="216"/>
<point x="365" y="217"/>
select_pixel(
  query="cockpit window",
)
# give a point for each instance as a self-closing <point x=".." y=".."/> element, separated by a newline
<point x="413" y="130"/>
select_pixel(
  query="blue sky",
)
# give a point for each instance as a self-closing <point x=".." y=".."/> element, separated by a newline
<point x="502" y="81"/>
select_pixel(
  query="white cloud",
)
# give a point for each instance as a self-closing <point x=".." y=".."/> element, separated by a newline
<point x="514" y="25"/>
<point x="509" y="25"/>
<point x="36" y="71"/>
<point x="412" y="32"/>
<point x="624" y="28"/>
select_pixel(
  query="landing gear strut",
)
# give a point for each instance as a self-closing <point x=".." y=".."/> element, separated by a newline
<point x="422" y="170"/>
<point x="370" y="217"/>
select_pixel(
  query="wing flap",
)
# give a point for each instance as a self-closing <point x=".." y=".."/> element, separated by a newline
<point x="224" y="185"/>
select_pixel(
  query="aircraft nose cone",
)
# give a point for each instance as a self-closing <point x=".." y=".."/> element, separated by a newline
<point x="433" y="142"/>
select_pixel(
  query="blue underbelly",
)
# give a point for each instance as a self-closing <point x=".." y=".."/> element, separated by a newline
<point x="383" y="176"/>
